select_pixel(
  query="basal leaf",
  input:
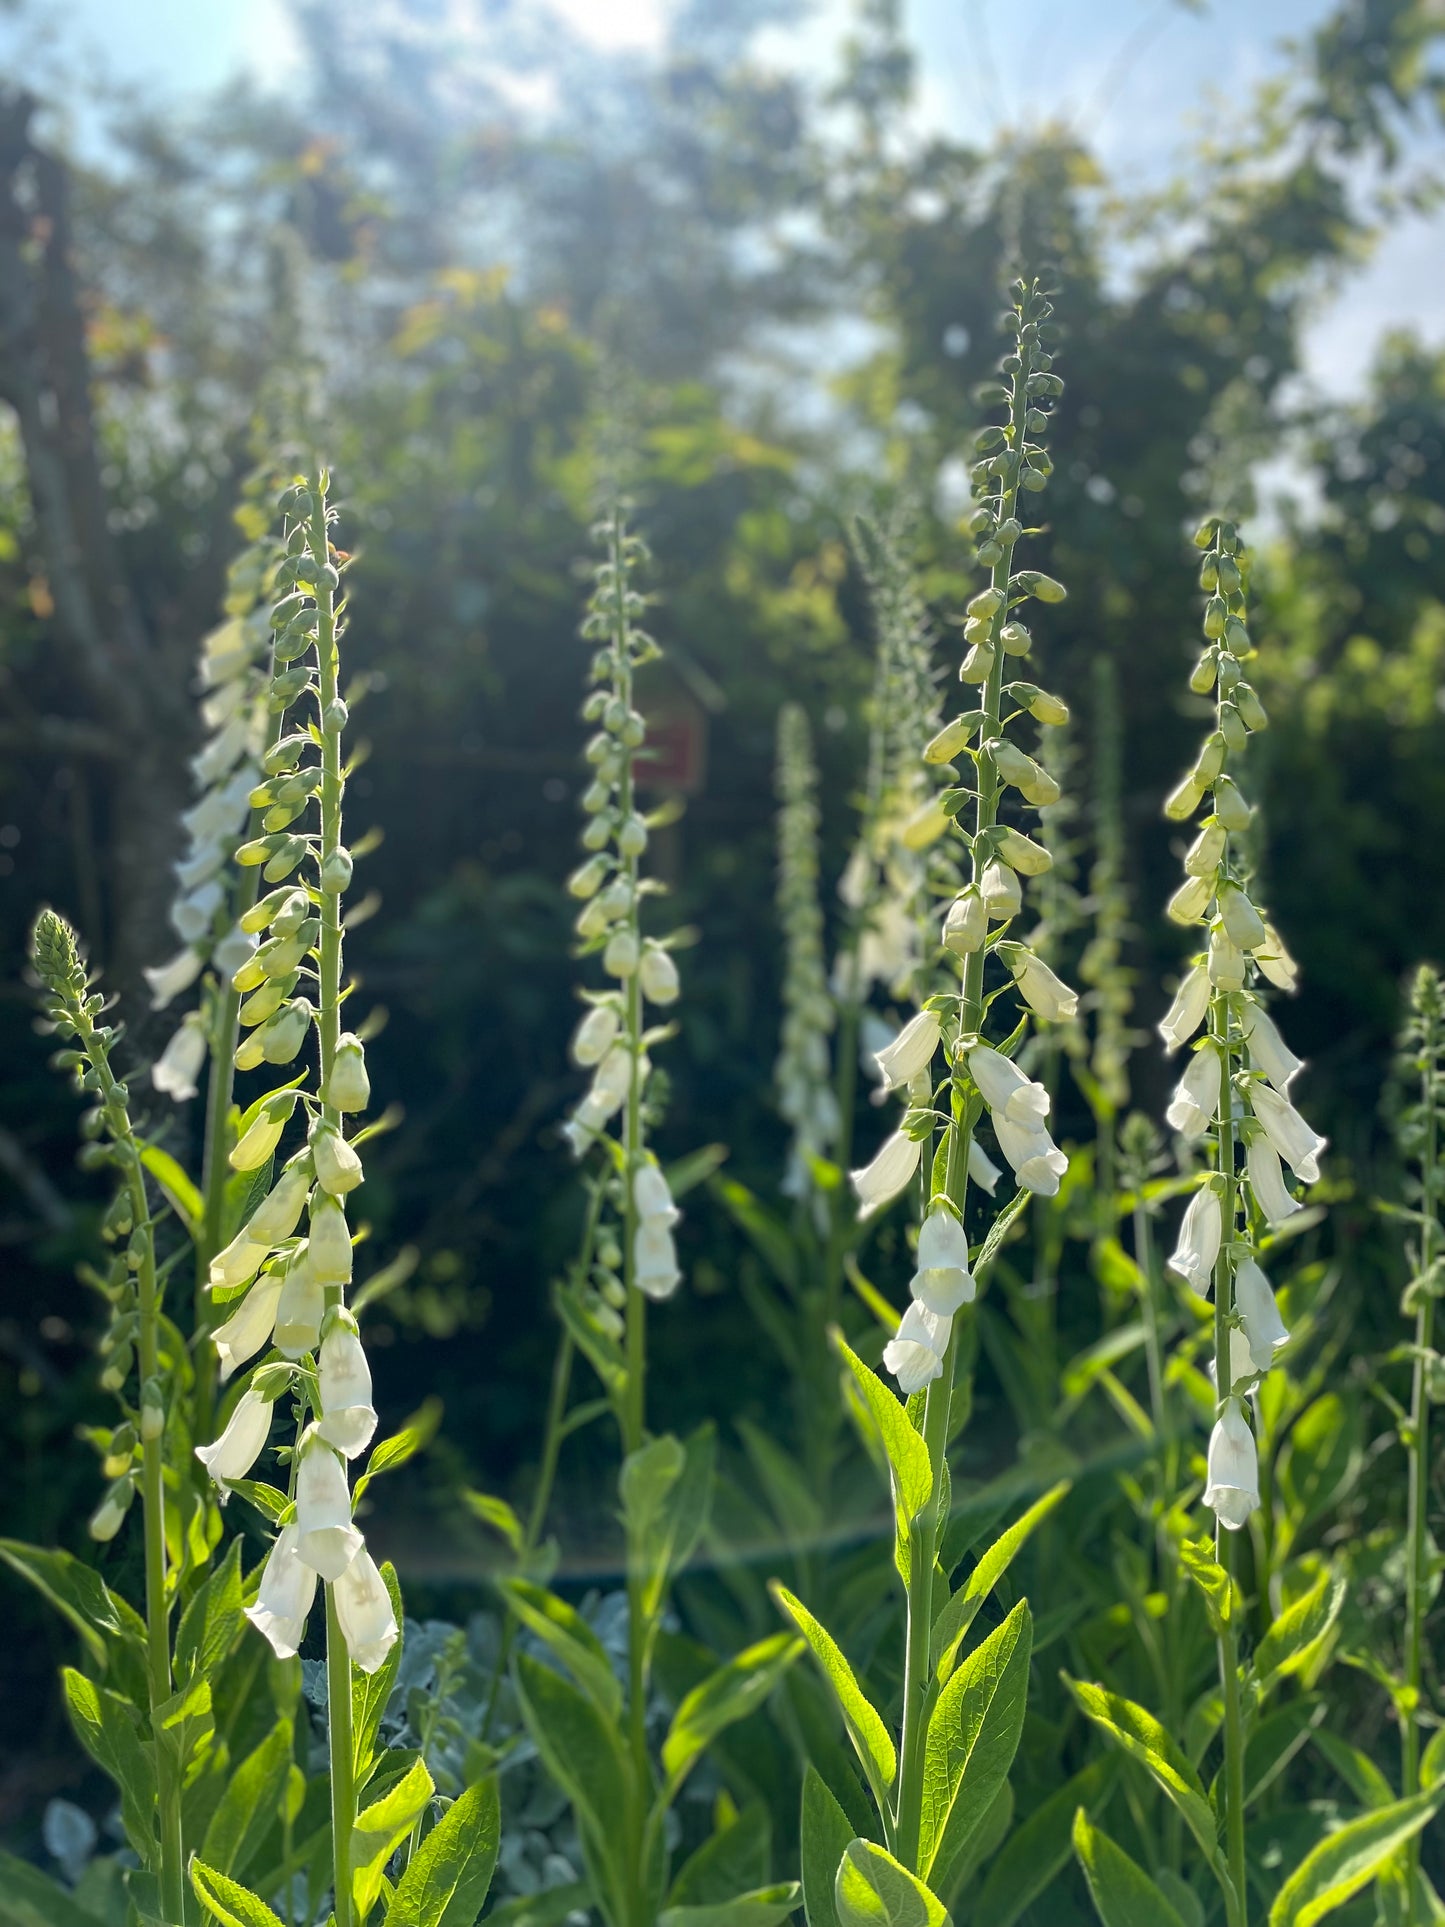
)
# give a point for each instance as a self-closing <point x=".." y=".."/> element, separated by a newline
<point x="1297" y="1636"/>
<point x="250" y="1804"/>
<point x="209" y="1627"/>
<point x="563" y="1628"/>
<point x="972" y="1738"/>
<point x="763" y="1907"/>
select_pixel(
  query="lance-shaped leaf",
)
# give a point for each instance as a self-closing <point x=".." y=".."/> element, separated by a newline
<point x="873" y="1889"/>
<point x="380" y="1829"/>
<point x="1037" y="1850"/>
<point x="1347" y="1860"/>
<point x="1145" y="1740"/>
<point x="825" y="1834"/>
<point x="763" y="1907"/>
<point x="30" y="1898"/>
<point x="563" y="1628"/>
<point x="885" y="1422"/>
<point x="232" y="1904"/>
<point x="447" y="1879"/>
<point x="249" y="1805"/>
<point x="1123" y="1894"/>
<point x="730" y="1694"/>
<point x="107" y="1728"/>
<point x="952" y="1624"/>
<point x="1296" y="1638"/>
<point x="210" y="1626"/>
<point x="871" y="1738"/>
<point x="972" y="1738"/>
<point x="102" y="1618"/>
<point x="733" y="1860"/>
<point x="583" y="1753"/>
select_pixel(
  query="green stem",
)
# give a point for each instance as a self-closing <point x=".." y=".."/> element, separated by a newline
<point x="341" y="1746"/>
<point x="1417" y="1545"/>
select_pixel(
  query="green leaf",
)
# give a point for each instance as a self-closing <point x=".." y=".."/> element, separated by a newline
<point x="1356" y="1769"/>
<point x="1432" y="1760"/>
<point x="1347" y="1860"/>
<point x="209" y="1628"/>
<point x="1145" y="1740"/>
<point x="1002" y="1225"/>
<point x="380" y="1829"/>
<point x="250" y="1804"/>
<point x="666" y="1491"/>
<point x="1197" y="1558"/>
<point x="1295" y="1639"/>
<point x="415" y="1435"/>
<point x="581" y="1751"/>
<point x="871" y="1738"/>
<point x="180" y="1191"/>
<point x="972" y="1738"/>
<point x="371" y="1691"/>
<point x="29" y="1898"/>
<point x="767" y="1234"/>
<point x="602" y="1353"/>
<point x="764" y="1907"/>
<point x="185" y="1725"/>
<point x="232" y="1904"/>
<point x="1037" y="1850"/>
<point x="1124" y="1895"/>
<point x="952" y="1624"/>
<point x="826" y="1832"/>
<point x="873" y="1890"/>
<point x="78" y="1594"/>
<point x="564" y="1629"/>
<point x="731" y="1861"/>
<point x="267" y="1499"/>
<point x="882" y="1418"/>
<point x="497" y="1514"/>
<point x="549" y="1908"/>
<point x="733" y="1691"/>
<point x="449" y="1875"/>
<point x="108" y="1728"/>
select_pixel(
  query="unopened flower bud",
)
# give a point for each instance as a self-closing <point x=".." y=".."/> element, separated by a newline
<point x="589" y="877"/>
<point x="109" y="1516"/>
<point x="1241" y="919"/>
<point x="1184" y="799"/>
<point x="1226" y="959"/>
<point x="924" y="827"/>
<point x="1190" y="901"/>
<point x="1251" y="709"/>
<point x="1201" y="677"/>
<point x="1021" y="853"/>
<point x="283" y="1035"/>
<point x="977" y="663"/>
<point x="1210" y="760"/>
<point x="965" y="924"/>
<point x="300" y="1307"/>
<point x="632" y="836"/>
<point x="658" y="975"/>
<point x="330" y="1242"/>
<point x="338" y="1163"/>
<point x="622" y="955"/>
<point x="1002" y="896"/>
<point x="1206" y="853"/>
<point x="1230" y="807"/>
<point x="348" y="1088"/>
<point x="263" y="1135"/>
<point x="336" y="871"/>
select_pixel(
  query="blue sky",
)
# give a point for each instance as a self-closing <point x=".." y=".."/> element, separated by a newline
<point x="1136" y="77"/>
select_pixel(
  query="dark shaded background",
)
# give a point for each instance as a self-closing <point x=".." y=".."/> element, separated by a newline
<point x="476" y="295"/>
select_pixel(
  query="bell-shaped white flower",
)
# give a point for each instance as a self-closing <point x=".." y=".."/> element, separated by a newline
<point x="193" y="915"/>
<point x="650" y="1194"/>
<point x="655" y="1269"/>
<point x="166" y="981"/>
<point x="179" y="1065"/>
<point x="622" y="954"/>
<point x="1232" y="1492"/>
<point x="1047" y="995"/>
<point x="301" y="1307"/>
<point x="330" y="1244"/>
<point x="288" y="1588"/>
<point x="364" y="1612"/>
<point x="263" y="1134"/>
<point x="348" y="1088"/>
<point x="1002" y="893"/>
<point x="1243" y="922"/>
<point x="236" y="1263"/>
<point x="276" y="1216"/>
<point x="250" y="1326"/>
<point x="348" y="1418"/>
<point x="965" y="924"/>
<point x="911" y="1051"/>
<point x="1266" y="1180"/>
<point x="233" y="950"/>
<point x="1296" y="1141"/>
<point x="1255" y="1303"/>
<point x="1226" y="963"/>
<point x="1190" y="901"/>
<point x="1206" y="852"/>
<point x="611" y="1082"/>
<point x="1200" y="1236"/>
<point x="657" y="974"/>
<point x="1037" y="1161"/>
<point x="338" y="1163"/>
<point x="1275" y="961"/>
<point x="1195" y="1103"/>
<point x="1188" y="1010"/>
<point x="241" y="1444"/>
<point x="982" y="1170"/>
<point x="582" y="1127"/>
<point x="1268" y="1052"/>
<point x="916" y="1354"/>
<point x="1005" y="1089"/>
<point x="595" y="1035"/>
<point x="892" y="1167"/>
<point x="943" y="1280"/>
<point x="325" y="1537"/>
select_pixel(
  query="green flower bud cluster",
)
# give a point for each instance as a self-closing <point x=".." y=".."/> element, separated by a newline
<point x="803" y="1072"/>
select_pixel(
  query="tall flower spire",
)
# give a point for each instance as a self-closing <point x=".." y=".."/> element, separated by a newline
<point x="803" y="1073"/>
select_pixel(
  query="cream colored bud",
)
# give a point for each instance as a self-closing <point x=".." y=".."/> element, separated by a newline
<point x="924" y="827"/>
<point x="1206" y="852"/>
<point x="330" y="1242"/>
<point x="338" y="1163"/>
<point x="1002" y="897"/>
<point x="1241" y="919"/>
<point x="1230" y="807"/>
<point x="1021" y="853"/>
<point x="1190" y="901"/>
<point x="977" y="664"/>
<point x="965" y="924"/>
<point x="348" y="1088"/>
<point x="657" y="973"/>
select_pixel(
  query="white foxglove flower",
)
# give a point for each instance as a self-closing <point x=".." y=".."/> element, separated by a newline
<point x="364" y="1612"/>
<point x="193" y="915"/>
<point x="330" y="1245"/>
<point x="582" y="1127"/>
<point x="1226" y="959"/>
<point x="611" y="1081"/>
<point x="288" y="1588"/>
<point x="595" y="1035"/>
<point x="234" y="949"/>
<point x="276" y="1216"/>
<point x="1200" y="1236"/>
<point x="911" y="1051"/>
<point x="1195" y="1103"/>
<point x="261" y="1137"/>
<point x="892" y="1167"/>
<point x="1037" y="1161"/>
<point x="1233" y="1489"/>
<point x="1243" y="922"/>
<point x="1002" y="895"/>
<point x="250" y="1326"/>
<point x="915" y="1355"/>
<point x="1190" y="901"/>
<point x="965" y="924"/>
<point x="943" y="1280"/>
<point x="1021" y="853"/>
<point x="325" y="1537"/>
<point x="338" y="1164"/>
<point x="348" y="1419"/>
<point x="301" y="1308"/>
<point x="1206" y="852"/>
<point x="655" y="1269"/>
<point x="1005" y="1089"/>
<point x="622" y="955"/>
<point x="1266" y="1181"/>
<point x="348" y="1086"/>
<point x="166" y="981"/>
<point x="1255" y="1303"/>
<point x="1045" y="994"/>
<point x="982" y="1170"/>
<point x="651" y="1196"/>
<point x="657" y="974"/>
<point x="1268" y="1051"/>
<point x="179" y="1065"/>
<point x="1295" y="1140"/>
<point x="1188" y="1010"/>
<point x="1275" y="961"/>
<point x="109" y="1516"/>
<point x="237" y="1264"/>
<point x="241" y="1444"/>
